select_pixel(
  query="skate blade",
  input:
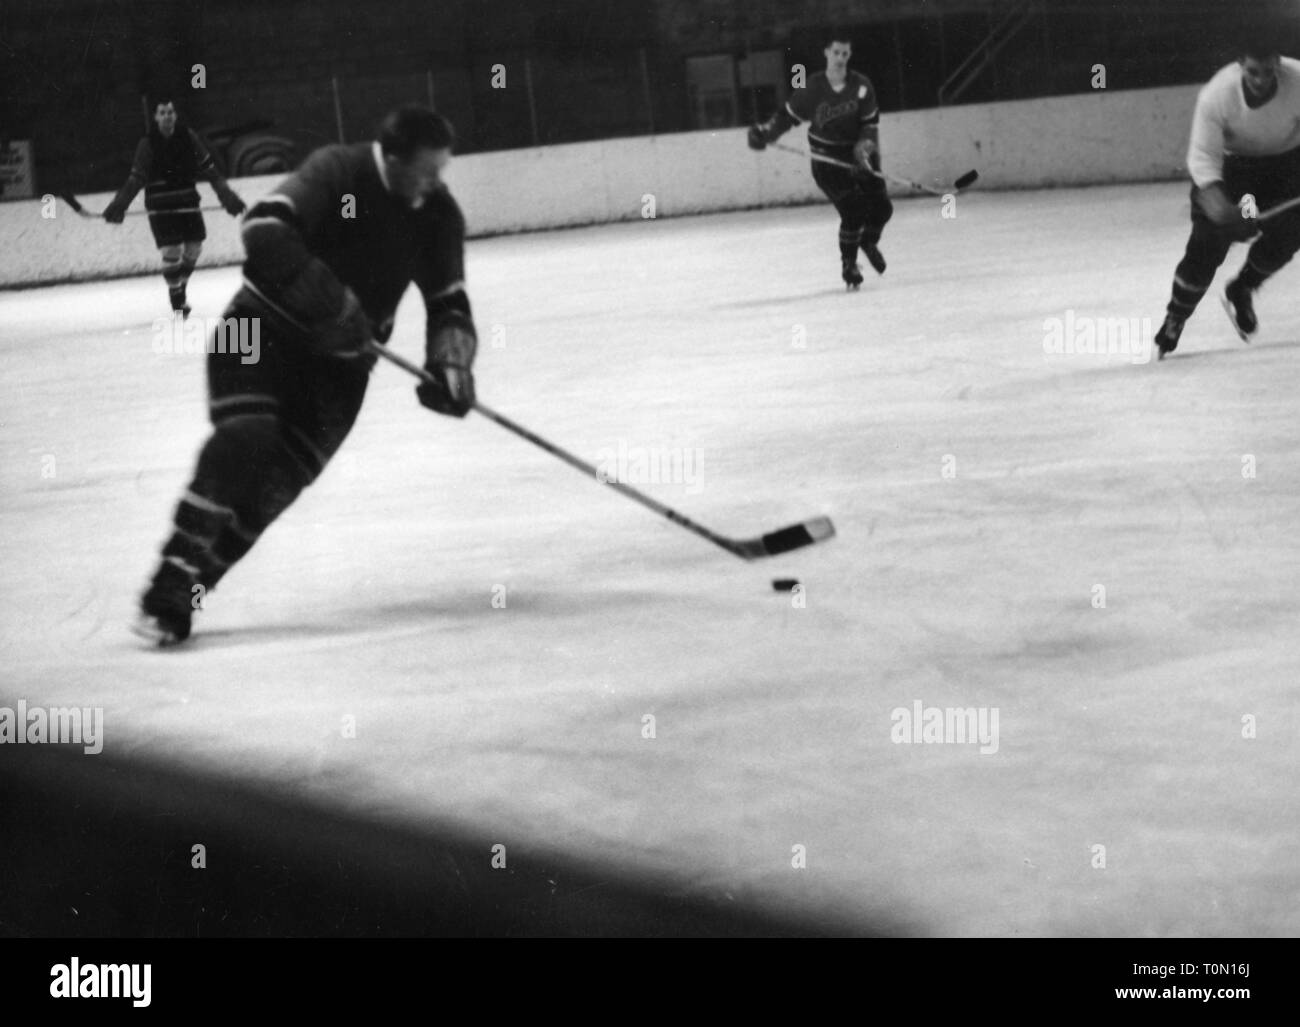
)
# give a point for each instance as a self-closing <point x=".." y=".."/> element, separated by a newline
<point x="1232" y="319"/>
<point x="158" y="637"/>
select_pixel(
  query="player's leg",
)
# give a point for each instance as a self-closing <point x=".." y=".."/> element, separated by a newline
<point x="1206" y="249"/>
<point x="1277" y="179"/>
<point x="311" y="425"/>
<point x="276" y="423"/>
<point x="179" y="238"/>
<point x="841" y="190"/>
<point x="879" y="209"/>
<point x="172" y="257"/>
<point x="190" y="250"/>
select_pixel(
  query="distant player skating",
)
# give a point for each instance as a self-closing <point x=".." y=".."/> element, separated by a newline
<point x="329" y="254"/>
<point x="168" y="162"/>
<point x="843" y="129"/>
<point x="1245" y="141"/>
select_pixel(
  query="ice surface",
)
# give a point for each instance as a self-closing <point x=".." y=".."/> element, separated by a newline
<point x="731" y="336"/>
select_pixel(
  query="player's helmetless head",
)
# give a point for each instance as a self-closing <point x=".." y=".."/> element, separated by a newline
<point x="1259" y="73"/>
<point x="416" y="144"/>
<point x="164" y="116"/>
<point x="838" y="52"/>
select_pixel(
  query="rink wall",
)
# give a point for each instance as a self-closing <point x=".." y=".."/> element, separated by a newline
<point x="1091" y="139"/>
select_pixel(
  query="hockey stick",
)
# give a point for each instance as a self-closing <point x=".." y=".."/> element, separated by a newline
<point x="1281" y="208"/>
<point x="75" y="204"/>
<point x="796" y="536"/>
<point x="961" y="183"/>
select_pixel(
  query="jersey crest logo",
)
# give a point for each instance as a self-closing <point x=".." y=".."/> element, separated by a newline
<point x="827" y="112"/>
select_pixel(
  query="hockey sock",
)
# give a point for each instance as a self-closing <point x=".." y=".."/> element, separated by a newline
<point x="174" y="275"/>
<point x="189" y="259"/>
<point x="849" y="240"/>
<point x="246" y="477"/>
<point x="1184" y="298"/>
<point x="1251" y="277"/>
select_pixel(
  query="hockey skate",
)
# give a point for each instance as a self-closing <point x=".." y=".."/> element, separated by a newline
<point x="180" y="305"/>
<point x="852" y="275"/>
<point x="874" y="257"/>
<point x="1166" y="339"/>
<point x="166" y="608"/>
<point x="1238" y="303"/>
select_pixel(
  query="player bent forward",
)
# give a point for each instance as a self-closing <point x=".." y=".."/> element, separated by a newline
<point x="324" y="276"/>
<point x="168" y="162"/>
<point x="1245" y="140"/>
<point x="843" y="126"/>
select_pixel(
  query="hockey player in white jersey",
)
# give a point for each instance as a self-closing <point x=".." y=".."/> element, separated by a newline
<point x="1243" y="158"/>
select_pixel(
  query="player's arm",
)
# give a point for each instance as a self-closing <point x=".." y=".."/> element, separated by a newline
<point x="115" y="212"/>
<point x="787" y="116"/>
<point x="208" y="169"/>
<point x="450" y="339"/>
<point x="1205" y="165"/>
<point x="867" y="149"/>
<point x="283" y="272"/>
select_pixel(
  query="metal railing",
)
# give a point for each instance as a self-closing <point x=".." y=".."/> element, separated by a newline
<point x="983" y="56"/>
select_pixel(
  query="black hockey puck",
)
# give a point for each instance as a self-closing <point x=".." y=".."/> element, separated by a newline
<point x="785" y="584"/>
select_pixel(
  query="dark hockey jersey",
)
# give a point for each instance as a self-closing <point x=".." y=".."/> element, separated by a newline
<point x="167" y="169"/>
<point x="836" y="119"/>
<point x="372" y="241"/>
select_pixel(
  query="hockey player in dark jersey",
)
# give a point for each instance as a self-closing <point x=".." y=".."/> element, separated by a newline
<point x="843" y="120"/>
<point x="329" y="254"/>
<point x="168" y="162"/>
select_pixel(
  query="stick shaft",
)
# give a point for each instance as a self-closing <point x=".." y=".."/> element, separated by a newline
<point x="557" y="451"/>
<point x="75" y="204"/>
<point x="1281" y="208"/>
<point x="884" y="176"/>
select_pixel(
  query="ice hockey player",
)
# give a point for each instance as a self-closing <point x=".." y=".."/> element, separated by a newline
<point x="168" y="162"/>
<point x="843" y="125"/>
<point x="329" y="254"/>
<point x="1245" y="142"/>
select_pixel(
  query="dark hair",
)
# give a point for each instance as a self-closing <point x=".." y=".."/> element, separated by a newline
<point x="1261" y="47"/>
<point x="412" y="128"/>
<point x="1260" y="37"/>
<point x="838" y="34"/>
<point x="159" y="101"/>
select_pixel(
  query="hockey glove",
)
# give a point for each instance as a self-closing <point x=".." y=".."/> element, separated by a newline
<point x="450" y="347"/>
<point x="345" y="333"/>
<point x="115" y="213"/>
<point x="757" y="138"/>
<point x="231" y="201"/>
<point x="1223" y="214"/>
<point x="867" y="153"/>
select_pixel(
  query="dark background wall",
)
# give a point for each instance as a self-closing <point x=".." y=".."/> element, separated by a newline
<point x="73" y="72"/>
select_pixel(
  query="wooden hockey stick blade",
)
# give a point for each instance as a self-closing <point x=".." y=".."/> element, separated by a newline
<point x="805" y="533"/>
<point x="75" y="204"/>
<point x="794" y="537"/>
